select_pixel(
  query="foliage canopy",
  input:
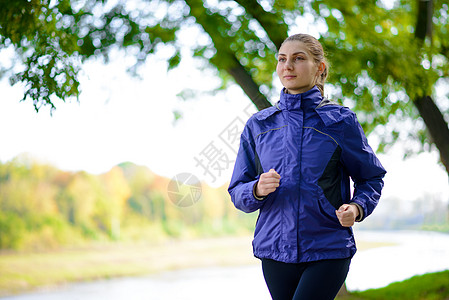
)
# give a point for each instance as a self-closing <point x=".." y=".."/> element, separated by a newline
<point x="387" y="57"/>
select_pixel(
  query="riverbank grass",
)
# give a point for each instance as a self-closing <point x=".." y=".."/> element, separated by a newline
<point x="24" y="271"/>
<point x="433" y="286"/>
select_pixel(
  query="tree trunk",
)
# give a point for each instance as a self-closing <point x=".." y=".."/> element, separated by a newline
<point x="241" y="76"/>
<point x="246" y="82"/>
<point x="436" y="125"/>
<point x="273" y="24"/>
<point x="429" y="111"/>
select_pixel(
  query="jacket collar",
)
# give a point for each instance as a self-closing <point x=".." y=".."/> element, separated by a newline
<point x="329" y="111"/>
<point x="307" y="100"/>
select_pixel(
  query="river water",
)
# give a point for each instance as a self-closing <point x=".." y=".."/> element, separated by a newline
<point x="414" y="253"/>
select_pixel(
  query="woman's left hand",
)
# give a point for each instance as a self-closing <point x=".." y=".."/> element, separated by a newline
<point x="346" y="214"/>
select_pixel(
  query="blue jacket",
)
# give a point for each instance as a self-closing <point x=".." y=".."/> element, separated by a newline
<point x="316" y="146"/>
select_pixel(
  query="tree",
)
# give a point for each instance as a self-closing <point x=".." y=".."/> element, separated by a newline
<point x="392" y="60"/>
<point x="52" y="39"/>
<point x="386" y="61"/>
<point x="77" y="200"/>
<point x="117" y="193"/>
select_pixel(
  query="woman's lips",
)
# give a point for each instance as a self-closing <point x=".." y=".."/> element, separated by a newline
<point x="289" y="76"/>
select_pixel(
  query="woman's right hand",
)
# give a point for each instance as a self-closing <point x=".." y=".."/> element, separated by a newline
<point x="268" y="182"/>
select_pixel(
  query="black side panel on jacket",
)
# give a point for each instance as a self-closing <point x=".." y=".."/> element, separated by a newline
<point x="259" y="168"/>
<point x="330" y="181"/>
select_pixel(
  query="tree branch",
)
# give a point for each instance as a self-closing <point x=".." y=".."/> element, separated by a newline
<point x="273" y="24"/>
<point x="424" y="19"/>
<point x="429" y="111"/>
<point x="246" y="82"/>
<point x="437" y="126"/>
<point x="224" y="54"/>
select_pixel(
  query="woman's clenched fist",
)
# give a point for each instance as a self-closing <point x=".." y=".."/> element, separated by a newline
<point x="268" y="182"/>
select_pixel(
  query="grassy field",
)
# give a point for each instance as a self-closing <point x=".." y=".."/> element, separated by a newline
<point x="20" y="272"/>
<point x="434" y="286"/>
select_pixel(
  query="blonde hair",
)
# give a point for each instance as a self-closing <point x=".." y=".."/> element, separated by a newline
<point x="316" y="50"/>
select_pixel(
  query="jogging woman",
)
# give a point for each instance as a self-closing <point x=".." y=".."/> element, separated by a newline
<point x="294" y="165"/>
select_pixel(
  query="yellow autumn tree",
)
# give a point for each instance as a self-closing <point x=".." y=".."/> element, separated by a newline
<point x="116" y="194"/>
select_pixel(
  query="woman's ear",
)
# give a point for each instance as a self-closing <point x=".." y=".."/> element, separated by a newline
<point x="321" y="68"/>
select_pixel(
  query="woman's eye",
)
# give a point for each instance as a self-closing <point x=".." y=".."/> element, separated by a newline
<point x="281" y="59"/>
<point x="299" y="58"/>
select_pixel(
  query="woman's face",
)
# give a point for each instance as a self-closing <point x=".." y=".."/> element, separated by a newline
<point x="296" y="68"/>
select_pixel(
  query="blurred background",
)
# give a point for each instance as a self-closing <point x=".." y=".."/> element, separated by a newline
<point x="120" y="123"/>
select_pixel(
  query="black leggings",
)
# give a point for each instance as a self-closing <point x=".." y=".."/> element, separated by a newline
<point x="319" y="280"/>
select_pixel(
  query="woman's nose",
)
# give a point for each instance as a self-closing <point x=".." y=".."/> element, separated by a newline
<point x="288" y="65"/>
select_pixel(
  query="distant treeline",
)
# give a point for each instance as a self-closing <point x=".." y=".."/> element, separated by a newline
<point x="428" y="212"/>
<point x="43" y="207"/>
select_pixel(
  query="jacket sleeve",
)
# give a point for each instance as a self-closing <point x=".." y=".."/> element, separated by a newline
<point x="363" y="166"/>
<point x="245" y="176"/>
